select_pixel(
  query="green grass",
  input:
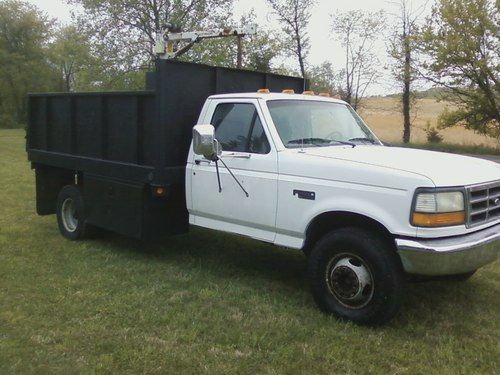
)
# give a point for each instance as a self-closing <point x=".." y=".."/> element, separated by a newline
<point x="207" y="302"/>
<point x="453" y="148"/>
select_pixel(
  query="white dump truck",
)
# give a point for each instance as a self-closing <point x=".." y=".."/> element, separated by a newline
<point x="297" y="170"/>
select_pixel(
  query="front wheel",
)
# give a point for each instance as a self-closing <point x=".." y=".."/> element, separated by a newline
<point x="355" y="275"/>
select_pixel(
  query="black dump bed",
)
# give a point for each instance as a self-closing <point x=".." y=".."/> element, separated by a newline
<point x="142" y="136"/>
<point x="140" y="139"/>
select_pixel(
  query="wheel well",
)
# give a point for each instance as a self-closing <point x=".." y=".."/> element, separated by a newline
<point x="328" y="221"/>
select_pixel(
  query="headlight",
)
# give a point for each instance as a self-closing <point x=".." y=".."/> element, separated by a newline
<point x="438" y="208"/>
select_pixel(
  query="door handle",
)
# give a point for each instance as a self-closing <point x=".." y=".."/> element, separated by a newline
<point x="237" y="155"/>
<point x="199" y="161"/>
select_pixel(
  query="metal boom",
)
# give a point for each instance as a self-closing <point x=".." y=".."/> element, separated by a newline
<point x="168" y="39"/>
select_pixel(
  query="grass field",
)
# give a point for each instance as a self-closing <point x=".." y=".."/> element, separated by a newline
<point x="207" y="302"/>
<point x="383" y="115"/>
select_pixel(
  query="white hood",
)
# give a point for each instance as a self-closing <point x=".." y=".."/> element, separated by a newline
<point x="442" y="168"/>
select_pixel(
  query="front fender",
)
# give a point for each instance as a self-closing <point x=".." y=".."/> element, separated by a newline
<point x="388" y="206"/>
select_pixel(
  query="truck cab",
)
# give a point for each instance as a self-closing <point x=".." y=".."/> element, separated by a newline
<point x="305" y="172"/>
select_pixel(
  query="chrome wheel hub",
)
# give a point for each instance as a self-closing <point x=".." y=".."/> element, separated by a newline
<point x="69" y="215"/>
<point x="349" y="280"/>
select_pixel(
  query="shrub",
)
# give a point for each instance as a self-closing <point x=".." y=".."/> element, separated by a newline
<point x="432" y="133"/>
<point x="7" y="122"/>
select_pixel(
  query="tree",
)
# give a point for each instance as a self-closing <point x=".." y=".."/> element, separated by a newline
<point x="70" y="53"/>
<point x="357" y="32"/>
<point x="123" y="32"/>
<point x="218" y="52"/>
<point x="259" y="50"/>
<point x="401" y="49"/>
<point x="324" y="78"/>
<point x="24" y="67"/>
<point x="295" y="15"/>
<point x="461" y="43"/>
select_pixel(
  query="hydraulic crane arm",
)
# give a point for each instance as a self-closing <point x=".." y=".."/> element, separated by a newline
<point x="169" y="38"/>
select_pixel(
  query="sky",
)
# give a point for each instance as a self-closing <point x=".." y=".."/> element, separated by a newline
<point x="323" y="47"/>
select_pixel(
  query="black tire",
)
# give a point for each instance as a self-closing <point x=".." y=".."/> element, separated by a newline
<point x="71" y="213"/>
<point x="353" y="260"/>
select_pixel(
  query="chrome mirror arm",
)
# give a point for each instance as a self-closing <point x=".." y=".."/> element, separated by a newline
<point x="231" y="173"/>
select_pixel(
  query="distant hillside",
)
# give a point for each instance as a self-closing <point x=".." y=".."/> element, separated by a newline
<point x="432" y="93"/>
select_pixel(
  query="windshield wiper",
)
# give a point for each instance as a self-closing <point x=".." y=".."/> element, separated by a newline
<point x="319" y="141"/>
<point x="361" y="139"/>
<point x="344" y="142"/>
<point x="313" y="141"/>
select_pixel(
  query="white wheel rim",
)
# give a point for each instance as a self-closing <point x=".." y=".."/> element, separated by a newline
<point x="350" y="280"/>
<point x="68" y="215"/>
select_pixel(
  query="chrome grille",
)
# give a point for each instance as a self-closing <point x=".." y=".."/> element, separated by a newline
<point x="483" y="203"/>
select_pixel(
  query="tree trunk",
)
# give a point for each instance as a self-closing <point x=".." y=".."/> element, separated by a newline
<point x="406" y="112"/>
<point x="67" y="83"/>
<point x="348" y="98"/>
<point x="298" y="41"/>
<point x="302" y="68"/>
<point x="406" y="91"/>
<point x="239" y="58"/>
<point x="299" y="54"/>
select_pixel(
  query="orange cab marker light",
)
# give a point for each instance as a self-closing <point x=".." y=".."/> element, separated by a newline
<point x="309" y="92"/>
<point x="263" y="91"/>
<point x="438" y="220"/>
<point x="325" y="94"/>
<point x="159" y="191"/>
<point x="288" y="91"/>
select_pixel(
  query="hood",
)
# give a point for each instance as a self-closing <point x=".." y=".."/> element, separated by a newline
<point x="441" y="168"/>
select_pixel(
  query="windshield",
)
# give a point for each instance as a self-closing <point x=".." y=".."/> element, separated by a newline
<point x="305" y="123"/>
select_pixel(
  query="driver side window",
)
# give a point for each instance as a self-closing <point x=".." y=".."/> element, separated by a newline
<point x="238" y="128"/>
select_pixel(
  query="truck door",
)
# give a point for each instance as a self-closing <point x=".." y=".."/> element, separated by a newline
<point x="248" y="153"/>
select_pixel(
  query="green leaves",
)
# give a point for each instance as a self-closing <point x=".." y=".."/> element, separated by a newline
<point x="460" y="41"/>
<point x="123" y="32"/>
<point x="294" y="16"/>
<point x="24" y="67"/>
<point x="71" y="54"/>
<point x="324" y="78"/>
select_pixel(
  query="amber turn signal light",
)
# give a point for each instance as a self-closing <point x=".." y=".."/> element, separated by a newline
<point x="420" y="219"/>
<point x="288" y="91"/>
<point x="263" y="91"/>
<point x="159" y="191"/>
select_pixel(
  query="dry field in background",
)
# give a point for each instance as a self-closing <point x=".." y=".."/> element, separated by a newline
<point x="384" y="117"/>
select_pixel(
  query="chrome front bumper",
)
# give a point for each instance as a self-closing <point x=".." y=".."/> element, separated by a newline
<point x="450" y="255"/>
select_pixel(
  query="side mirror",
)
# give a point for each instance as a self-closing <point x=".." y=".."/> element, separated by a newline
<point x="204" y="142"/>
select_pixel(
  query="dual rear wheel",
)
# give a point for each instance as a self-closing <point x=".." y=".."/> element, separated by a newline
<point x="71" y="213"/>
